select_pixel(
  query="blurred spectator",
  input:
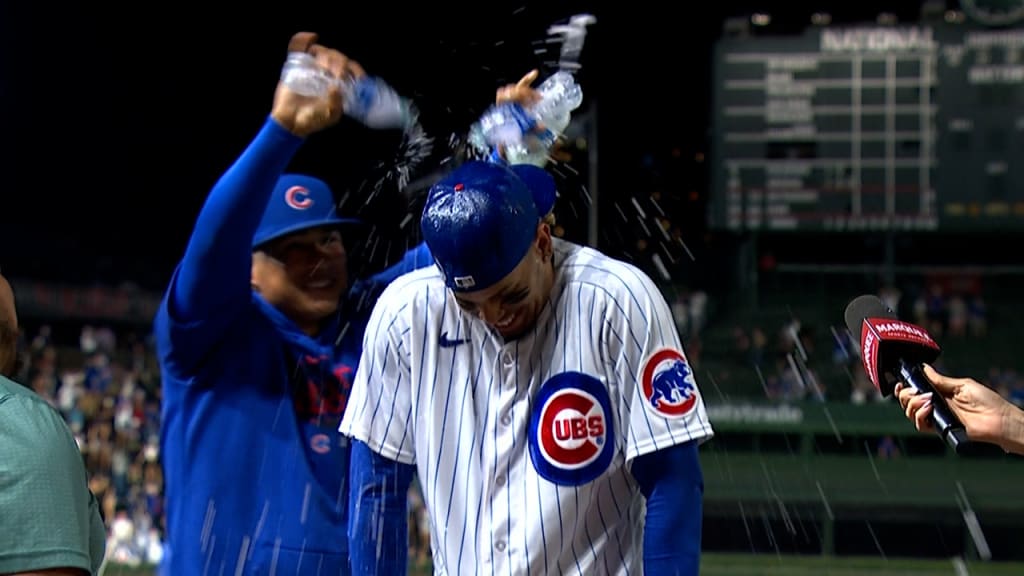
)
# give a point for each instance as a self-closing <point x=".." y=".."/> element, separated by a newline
<point x="887" y="448"/>
<point x="977" y="317"/>
<point x="935" y="310"/>
<point x="108" y="392"/>
<point x="758" y="344"/>
<point x="42" y="339"/>
<point x="957" y="316"/>
<point x="698" y="312"/>
<point x="891" y="296"/>
<point x="863" y="390"/>
<point x="681" y="313"/>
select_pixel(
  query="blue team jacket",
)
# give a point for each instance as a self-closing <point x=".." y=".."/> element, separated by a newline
<point x="251" y="488"/>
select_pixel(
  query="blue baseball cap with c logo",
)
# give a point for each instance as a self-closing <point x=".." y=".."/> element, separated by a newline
<point x="298" y="203"/>
<point x="480" y="220"/>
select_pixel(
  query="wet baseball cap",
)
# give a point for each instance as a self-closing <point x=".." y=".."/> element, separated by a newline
<point x="298" y="203"/>
<point x="480" y="220"/>
<point x="541" y="186"/>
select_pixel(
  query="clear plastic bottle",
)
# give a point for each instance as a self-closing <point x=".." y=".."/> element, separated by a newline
<point x="302" y="75"/>
<point x="527" y="135"/>
<point x="559" y="96"/>
<point x="368" y="99"/>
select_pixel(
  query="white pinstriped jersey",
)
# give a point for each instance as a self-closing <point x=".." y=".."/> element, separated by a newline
<point x="522" y="448"/>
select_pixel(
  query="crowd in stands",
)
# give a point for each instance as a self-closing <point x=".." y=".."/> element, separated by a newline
<point x="107" y="388"/>
<point x="810" y="358"/>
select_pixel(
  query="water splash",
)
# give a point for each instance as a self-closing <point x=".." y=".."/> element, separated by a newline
<point x="973" y="525"/>
<point x="415" y="148"/>
<point x="824" y="501"/>
<point x="572" y="36"/>
<point x="874" y="537"/>
<point x="746" y="527"/>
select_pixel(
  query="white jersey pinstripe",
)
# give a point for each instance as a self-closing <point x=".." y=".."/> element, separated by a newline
<point x="504" y="496"/>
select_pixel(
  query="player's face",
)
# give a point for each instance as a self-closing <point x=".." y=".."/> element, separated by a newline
<point x="512" y="305"/>
<point x="303" y="275"/>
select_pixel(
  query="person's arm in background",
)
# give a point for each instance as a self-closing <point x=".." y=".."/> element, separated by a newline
<point x="987" y="416"/>
<point x="212" y="282"/>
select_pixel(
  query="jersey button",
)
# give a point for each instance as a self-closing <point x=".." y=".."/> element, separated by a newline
<point x="500" y="480"/>
<point x="499" y="545"/>
<point x="506" y="419"/>
<point x="507" y="358"/>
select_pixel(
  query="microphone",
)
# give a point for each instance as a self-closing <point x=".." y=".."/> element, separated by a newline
<point x="892" y="351"/>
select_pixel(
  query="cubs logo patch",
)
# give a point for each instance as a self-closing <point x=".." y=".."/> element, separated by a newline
<point x="668" y="384"/>
<point x="572" y="431"/>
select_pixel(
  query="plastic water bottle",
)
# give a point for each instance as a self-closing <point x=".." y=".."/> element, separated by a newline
<point x="302" y="75"/>
<point x="527" y="135"/>
<point x="559" y="96"/>
<point x="502" y="125"/>
<point x="368" y="99"/>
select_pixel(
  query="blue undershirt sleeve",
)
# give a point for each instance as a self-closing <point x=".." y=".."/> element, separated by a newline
<point x="673" y="484"/>
<point x="378" y="513"/>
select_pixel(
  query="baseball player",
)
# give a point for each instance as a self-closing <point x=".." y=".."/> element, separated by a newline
<point x="540" y="391"/>
<point x="257" y="357"/>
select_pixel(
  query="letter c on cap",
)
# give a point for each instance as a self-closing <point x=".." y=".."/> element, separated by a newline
<point x="298" y="198"/>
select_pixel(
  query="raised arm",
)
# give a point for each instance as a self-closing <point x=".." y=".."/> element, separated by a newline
<point x="212" y="282"/>
<point x="214" y="274"/>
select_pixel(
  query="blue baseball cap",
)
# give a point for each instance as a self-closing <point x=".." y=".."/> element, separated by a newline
<point x="298" y="203"/>
<point x="541" y="185"/>
<point x="480" y="220"/>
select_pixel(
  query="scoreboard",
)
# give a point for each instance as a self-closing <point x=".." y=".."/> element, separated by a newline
<point x="915" y="127"/>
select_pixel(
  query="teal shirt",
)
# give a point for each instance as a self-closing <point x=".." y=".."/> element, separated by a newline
<point x="48" y="516"/>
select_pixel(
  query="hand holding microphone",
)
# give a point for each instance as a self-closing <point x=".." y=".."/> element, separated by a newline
<point x="987" y="416"/>
<point x="895" y="352"/>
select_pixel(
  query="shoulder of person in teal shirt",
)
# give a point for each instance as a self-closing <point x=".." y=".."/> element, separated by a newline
<point x="48" y="517"/>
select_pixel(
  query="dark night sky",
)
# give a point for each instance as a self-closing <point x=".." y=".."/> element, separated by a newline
<point x="118" y="122"/>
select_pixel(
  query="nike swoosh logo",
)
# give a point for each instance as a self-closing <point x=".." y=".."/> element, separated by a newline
<point x="446" y="343"/>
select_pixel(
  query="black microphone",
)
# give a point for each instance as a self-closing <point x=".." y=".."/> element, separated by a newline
<point x="893" y="351"/>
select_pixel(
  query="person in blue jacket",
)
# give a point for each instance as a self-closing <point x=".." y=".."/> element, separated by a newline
<point x="259" y="335"/>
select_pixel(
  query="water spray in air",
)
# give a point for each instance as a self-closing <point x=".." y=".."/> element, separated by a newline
<point x="526" y="135"/>
<point x="373" y="103"/>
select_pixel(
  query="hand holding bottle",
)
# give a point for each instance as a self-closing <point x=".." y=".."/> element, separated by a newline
<point x="525" y="123"/>
<point x="521" y="92"/>
<point x="306" y="113"/>
<point x="366" y="99"/>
